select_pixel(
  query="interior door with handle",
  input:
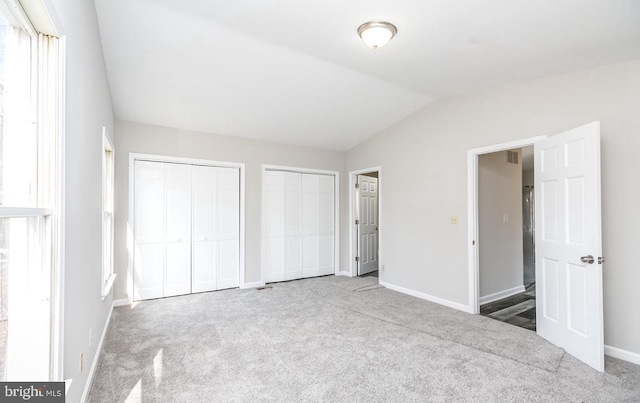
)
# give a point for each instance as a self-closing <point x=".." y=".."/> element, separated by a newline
<point x="569" y="280"/>
<point x="367" y="224"/>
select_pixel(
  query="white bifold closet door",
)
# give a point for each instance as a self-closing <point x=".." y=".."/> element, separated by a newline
<point x="186" y="229"/>
<point x="299" y="224"/>
<point x="216" y="234"/>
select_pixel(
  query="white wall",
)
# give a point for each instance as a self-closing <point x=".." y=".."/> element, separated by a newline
<point x="500" y="242"/>
<point x="140" y="138"/>
<point x="88" y="108"/>
<point x="423" y="159"/>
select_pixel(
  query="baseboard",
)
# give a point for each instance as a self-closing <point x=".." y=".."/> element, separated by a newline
<point x="96" y="359"/>
<point x="344" y="273"/>
<point x="253" y="285"/>
<point x="121" y="302"/>
<point x="427" y="297"/>
<point x="501" y="294"/>
<point x="621" y="354"/>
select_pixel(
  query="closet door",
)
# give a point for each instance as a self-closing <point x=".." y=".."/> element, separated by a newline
<point x="310" y="228"/>
<point x="326" y="225"/>
<point x="292" y="225"/>
<point x="204" y="240"/>
<point x="178" y="229"/>
<point x="149" y="211"/>
<point x="274" y="226"/>
<point x="228" y="231"/>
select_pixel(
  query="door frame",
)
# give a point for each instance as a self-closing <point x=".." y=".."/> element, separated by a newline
<point x="353" y="245"/>
<point x="472" y="206"/>
<point x="336" y="213"/>
<point x="133" y="157"/>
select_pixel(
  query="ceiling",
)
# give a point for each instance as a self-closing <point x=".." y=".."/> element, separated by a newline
<point x="296" y="72"/>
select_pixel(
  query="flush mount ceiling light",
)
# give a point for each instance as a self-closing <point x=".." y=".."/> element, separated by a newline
<point x="376" y="34"/>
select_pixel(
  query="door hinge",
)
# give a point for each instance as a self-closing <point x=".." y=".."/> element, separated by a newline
<point x="357" y="222"/>
<point x="357" y="258"/>
<point x="357" y="186"/>
<point x="601" y="260"/>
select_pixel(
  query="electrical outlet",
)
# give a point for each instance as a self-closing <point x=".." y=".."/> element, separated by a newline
<point x="90" y="337"/>
<point x="505" y="218"/>
<point x="81" y="362"/>
<point x="454" y="219"/>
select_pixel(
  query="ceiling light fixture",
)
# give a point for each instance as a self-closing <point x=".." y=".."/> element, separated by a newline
<point x="376" y="34"/>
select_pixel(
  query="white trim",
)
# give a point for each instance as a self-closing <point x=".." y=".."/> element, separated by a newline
<point x="336" y="232"/>
<point x="427" y="297"/>
<point x="179" y="160"/>
<point x="58" y="299"/>
<point x="353" y="267"/>
<point x="19" y="212"/>
<point x="253" y="285"/>
<point x="121" y="302"/>
<point x="501" y="294"/>
<point x="106" y="287"/>
<point x="621" y="354"/>
<point x="345" y="273"/>
<point x="472" y="211"/>
<point x="96" y="358"/>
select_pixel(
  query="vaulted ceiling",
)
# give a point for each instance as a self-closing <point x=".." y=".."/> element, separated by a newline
<point x="296" y="71"/>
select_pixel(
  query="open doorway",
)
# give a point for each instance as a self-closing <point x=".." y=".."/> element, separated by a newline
<point x="506" y="226"/>
<point x="365" y="218"/>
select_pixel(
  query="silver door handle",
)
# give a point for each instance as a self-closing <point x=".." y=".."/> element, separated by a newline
<point x="587" y="259"/>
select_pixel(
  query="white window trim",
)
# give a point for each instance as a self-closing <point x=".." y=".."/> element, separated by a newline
<point x="107" y="146"/>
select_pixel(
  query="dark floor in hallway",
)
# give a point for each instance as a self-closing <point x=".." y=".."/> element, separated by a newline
<point x="518" y="309"/>
<point x="372" y="274"/>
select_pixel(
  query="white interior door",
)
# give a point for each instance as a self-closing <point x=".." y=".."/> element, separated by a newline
<point x="204" y="224"/>
<point x="569" y="243"/>
<point x="228" y="231"/>
<point x="367" y="224"/>
<point x="149" y="223"/>
<point x="177" y="279"/>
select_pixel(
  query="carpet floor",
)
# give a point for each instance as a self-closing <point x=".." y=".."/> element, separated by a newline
<point x="336" y="339"/>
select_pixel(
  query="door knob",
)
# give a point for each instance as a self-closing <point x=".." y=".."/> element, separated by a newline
<point x="587" y="259"/>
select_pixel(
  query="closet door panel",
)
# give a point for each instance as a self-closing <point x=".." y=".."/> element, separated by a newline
<point x="292" y="225"/>
<point x="274" y="226"/>
<point x="204" y="240"/>
<point x="228" y="227"/>
<point x="326" y="224"/>
<point x="149" y="222"/>
<point x="178" y="229"/>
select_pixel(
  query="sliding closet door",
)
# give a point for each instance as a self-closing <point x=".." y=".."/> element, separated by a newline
<point x="299" y="225"/>
<point x="228" y="210"/>
<point x="178" y="229"/>
<point x="205" y="255"/>
<point x="274" y="226"/>
<point x="148" y="265"/>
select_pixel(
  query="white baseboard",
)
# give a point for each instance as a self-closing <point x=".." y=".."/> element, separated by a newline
<point x="621" y="354"/>
<point x="121" y="302"/>
<point x="501" y="294"/>
<point x="253" y="285"/>
<point x="431" y="298"/>
<point x="344" y="273"/>
<point x="96" y="358"/>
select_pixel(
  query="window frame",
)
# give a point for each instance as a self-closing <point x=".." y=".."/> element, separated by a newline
<point x="47" y="97"/>
<point x="108" y="207"/>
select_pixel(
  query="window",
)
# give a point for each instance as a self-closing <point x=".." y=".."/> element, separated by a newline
<point x="108" y="274"/>
<point x="29" y="213"/>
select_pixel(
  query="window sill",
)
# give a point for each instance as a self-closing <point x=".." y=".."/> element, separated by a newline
<point x="106" y="289"/>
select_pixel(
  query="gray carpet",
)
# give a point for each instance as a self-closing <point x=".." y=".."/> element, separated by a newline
<point x="323" y="340"/>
